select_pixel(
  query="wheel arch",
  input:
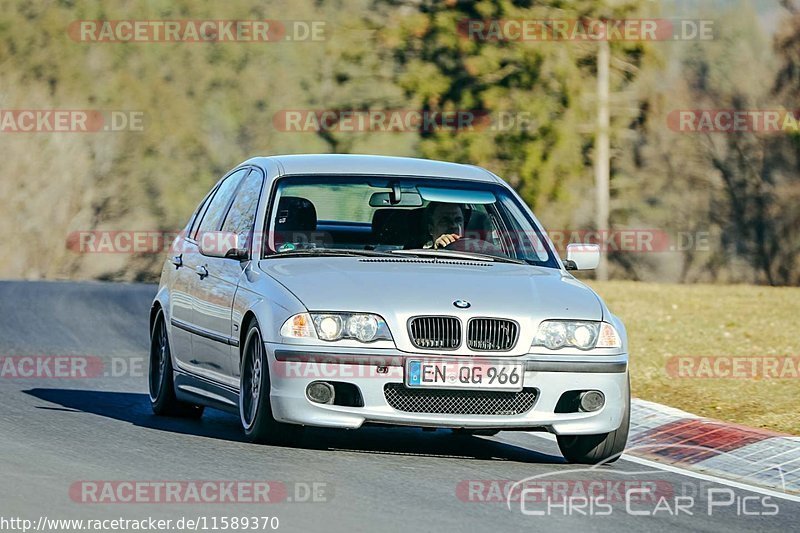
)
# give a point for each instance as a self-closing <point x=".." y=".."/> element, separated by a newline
<point x="154" y="309"/>
<point x="248" y="318"/>
<point x="160" y="303"/>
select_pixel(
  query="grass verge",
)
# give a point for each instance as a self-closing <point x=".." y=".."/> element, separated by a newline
<point x="665" y="321"/>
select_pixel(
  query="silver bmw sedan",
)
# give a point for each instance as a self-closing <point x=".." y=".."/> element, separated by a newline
<point x="341" y="290"/>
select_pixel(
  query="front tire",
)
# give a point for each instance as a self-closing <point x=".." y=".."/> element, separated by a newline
<point x="162" y="387"/>
<point x="255" y="407"/>
<point x="593" y="449"/>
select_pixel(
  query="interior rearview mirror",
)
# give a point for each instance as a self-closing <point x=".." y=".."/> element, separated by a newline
<point x="390" y="199"/>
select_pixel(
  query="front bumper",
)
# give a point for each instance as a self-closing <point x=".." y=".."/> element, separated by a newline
<point x="292" y="368"/>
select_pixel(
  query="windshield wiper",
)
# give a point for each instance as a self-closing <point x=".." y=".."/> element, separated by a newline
<point x="450" y="254"/>
<point x="330" y="252"/>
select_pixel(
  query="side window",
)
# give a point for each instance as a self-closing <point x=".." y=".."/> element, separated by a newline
<point x="242" y="214"/>
<point x="218" y="204"/>
<point x="198" y="215"/>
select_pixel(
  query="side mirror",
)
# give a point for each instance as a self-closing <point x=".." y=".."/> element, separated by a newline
<point x="224" y="245"/>
<point x="582" y="256"/>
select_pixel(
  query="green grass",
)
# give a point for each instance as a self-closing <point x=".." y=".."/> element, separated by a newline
<point x="711" y="320"/>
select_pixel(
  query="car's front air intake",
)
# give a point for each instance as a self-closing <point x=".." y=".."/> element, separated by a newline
<point x="435" y="332"/>
<point x="459" y="402"/>
<point x="491" y="334"/>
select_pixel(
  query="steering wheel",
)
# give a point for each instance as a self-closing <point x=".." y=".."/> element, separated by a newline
<point x="468" y="244"/>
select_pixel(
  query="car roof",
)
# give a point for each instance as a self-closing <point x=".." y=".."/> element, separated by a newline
<point x="350" y="164"/>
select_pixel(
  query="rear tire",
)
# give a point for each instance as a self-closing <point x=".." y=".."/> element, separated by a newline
<point x="255" y="407"/>
<point x="593" y="449"/>
<point x="162" y="386"/>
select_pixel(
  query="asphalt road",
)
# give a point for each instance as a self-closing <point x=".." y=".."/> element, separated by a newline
<point x="56" y="433"/>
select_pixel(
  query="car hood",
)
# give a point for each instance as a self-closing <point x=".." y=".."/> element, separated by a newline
<point x="405" y="287"/>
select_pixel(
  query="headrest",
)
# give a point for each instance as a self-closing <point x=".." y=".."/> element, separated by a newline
<point x="396" y="225"/>
<point x="295" y="214"/>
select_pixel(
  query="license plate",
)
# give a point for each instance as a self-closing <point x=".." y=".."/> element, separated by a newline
<point x="461" y="374"/>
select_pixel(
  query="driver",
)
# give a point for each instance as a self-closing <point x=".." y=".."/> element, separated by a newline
<point x="445" y="224"/>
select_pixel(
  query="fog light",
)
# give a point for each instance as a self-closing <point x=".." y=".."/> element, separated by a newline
<point x="320" y="392"/>
<point x="592" y="401"/>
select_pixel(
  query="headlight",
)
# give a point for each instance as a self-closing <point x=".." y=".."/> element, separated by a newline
<point x="584" y="335"/>
<point x="329" y="327"/>
<point x="363" y="327"/>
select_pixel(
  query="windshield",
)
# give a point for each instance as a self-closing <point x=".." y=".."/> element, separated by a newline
<point x="324" y="214"/>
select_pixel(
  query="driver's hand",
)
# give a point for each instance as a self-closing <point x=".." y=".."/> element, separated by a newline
<point x="446" y="239"/>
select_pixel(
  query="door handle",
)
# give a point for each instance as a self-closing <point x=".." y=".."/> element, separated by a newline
<point x="201" y="271"/>
<point x="177" y="260"/>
